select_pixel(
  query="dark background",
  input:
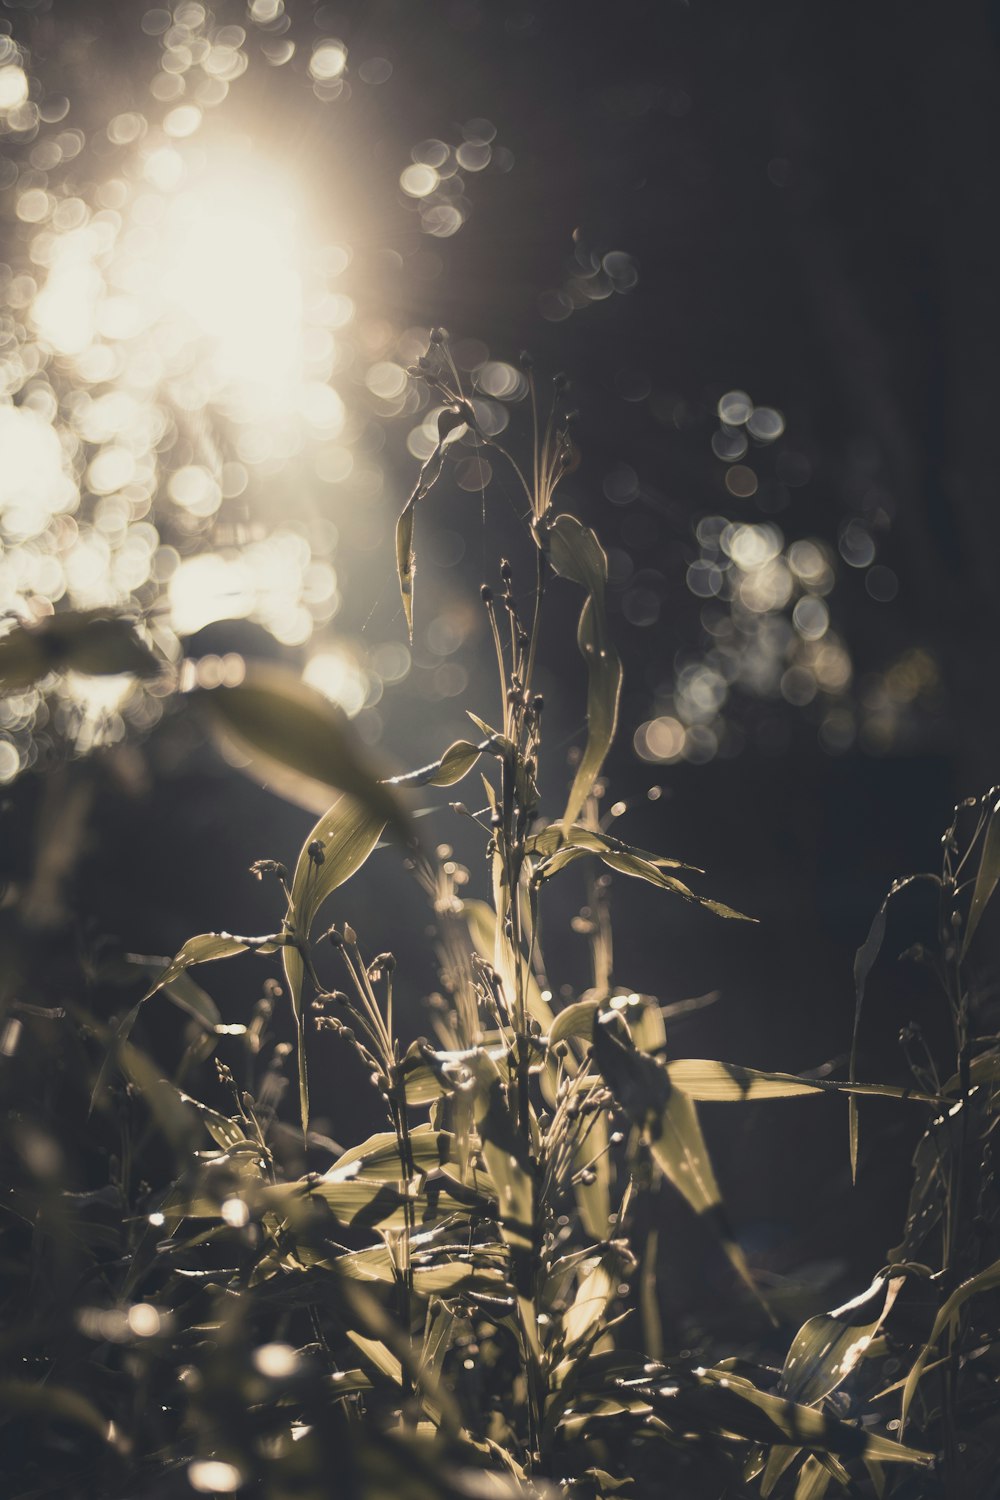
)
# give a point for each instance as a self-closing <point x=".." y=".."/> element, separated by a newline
<point x="809" y="193"/>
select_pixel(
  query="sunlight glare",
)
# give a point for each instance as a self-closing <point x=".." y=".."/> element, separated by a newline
<point x="231" y="262"/>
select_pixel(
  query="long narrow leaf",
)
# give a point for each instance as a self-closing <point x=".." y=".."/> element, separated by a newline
<point x="337" y="846"/>
<point x="863" y="963"/>
<point x="985" y="1281"/>
<point x="726" y="1083"/>
<point x="986" y="878"/>
<point x="576" y="554"/>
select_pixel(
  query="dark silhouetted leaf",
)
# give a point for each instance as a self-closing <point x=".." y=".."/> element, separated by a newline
<point x="986" y="877"/>
<point x="726" y="1083"/>
<point x="56" y="1403"/>
<point x="549" y="839"/>
<point x="88" y="641"/>
<point x="378" y="1355"/>
<point x="600" y="1276"/>
<point x="482" y="924"/>
<point x="298" y="741"/>
<point x="669" y="1125"/>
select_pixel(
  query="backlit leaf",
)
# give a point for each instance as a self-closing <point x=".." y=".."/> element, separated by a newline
<point x="451" y="424"/>
<point x="592" y="1187"/>
<point x="829" y="1347"/>
<point x="204" y="949"/>
<point x="669" y="1125"/>
<point x="503" y="1152"/>
<point x="456" y="762"/>
<point x="727" y="1083"/>
<point x="379" y="1155"/>
<point x="378" y="1355"/>
<point x="440" y="1327"/>
<point x="162" y="1098"/>
<point x="576" y="553"/>
<point x="183" y="991"/>
<point x="224" y="1132"/>
<point x="779" y="1461"/>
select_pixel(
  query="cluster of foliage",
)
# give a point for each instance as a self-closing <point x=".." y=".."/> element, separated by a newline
<point x="210" y="1298"/>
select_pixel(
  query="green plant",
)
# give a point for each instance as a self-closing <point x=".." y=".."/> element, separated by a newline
<point x="451" y="1294"/>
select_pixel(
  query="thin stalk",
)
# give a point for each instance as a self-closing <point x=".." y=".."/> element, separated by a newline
<point x="492" y="443"/>
<point x="375" y="1022"/>
<point x="541" y="573"/>
<point x="536" y="460"/>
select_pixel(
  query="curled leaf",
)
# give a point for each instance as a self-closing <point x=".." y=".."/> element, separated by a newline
<point x="727" y="1403"/>
<point x="406" y="562"/>
<point x="56" y="1403"/>
<point x="576" y="1020"/>
<point x="594" y="841"/>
